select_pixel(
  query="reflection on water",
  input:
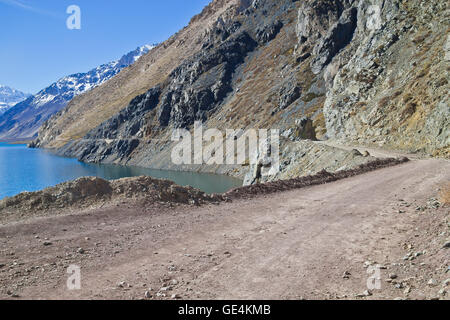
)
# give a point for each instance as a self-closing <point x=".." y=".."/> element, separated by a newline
<point x="23" y="169"/>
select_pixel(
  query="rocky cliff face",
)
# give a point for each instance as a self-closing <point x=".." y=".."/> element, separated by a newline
<point x="389" y="87"/>
<point x="10" y="97"/>
<point x="370" y="72"/>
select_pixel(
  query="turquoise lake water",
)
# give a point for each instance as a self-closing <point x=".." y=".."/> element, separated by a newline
<point x="23" y="169"/>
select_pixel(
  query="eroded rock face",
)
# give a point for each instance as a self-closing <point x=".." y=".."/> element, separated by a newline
<point x="220" y="31"/>
<point x="327" y="27"/>
<point x="315" y="17"/>
<point x="130" y="122"/>
<point x="118" y="137"/>
<point x="288" y="94"/>
<point x="200" y="83"/>
<point x="382" y="63"/>
<point x="269" y="32"/>
<point x="337" y="38"/>
<point x="305" y="129"/>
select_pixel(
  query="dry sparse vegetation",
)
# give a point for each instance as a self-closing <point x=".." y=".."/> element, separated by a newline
<point x="444" y="194"/>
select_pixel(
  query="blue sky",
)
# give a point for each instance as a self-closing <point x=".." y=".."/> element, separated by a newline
<point x="36" y="48"/>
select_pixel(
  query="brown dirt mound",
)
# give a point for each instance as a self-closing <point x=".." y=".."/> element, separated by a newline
<point x="88" y="191"/>
<point x="95" y="192"/>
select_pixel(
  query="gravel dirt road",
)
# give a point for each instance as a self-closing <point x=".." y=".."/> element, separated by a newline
<point x="311" y="243"/>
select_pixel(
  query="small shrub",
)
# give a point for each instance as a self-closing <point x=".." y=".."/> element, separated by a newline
<point x="384" y="102"/>
<point x="311" y="96"/>
<point x="407" y="98"/>
<point x="420" y="38"/>
<point x="409" y="110"/>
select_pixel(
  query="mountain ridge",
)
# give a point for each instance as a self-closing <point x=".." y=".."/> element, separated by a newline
<point x="23" y="120"/>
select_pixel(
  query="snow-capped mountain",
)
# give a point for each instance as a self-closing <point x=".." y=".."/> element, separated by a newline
<point x="133" y="56"/>
<point x="10" y="97"/>
<point x="24" y="119"/>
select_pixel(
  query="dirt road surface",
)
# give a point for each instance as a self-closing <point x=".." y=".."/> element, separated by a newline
<point x="312" y="243"/>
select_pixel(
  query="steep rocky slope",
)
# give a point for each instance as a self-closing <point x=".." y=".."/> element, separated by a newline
<point x="369" y="72"/>
<point x="391" y="85"/>
<point x="23" y="120"/>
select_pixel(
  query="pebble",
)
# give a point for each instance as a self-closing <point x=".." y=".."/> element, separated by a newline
<point x="174" y="296"/>
<point x="148" y="295"/>
<point x="47" y="243"/>
<point x="80" y="251"/>
<point x="366" y="293"/>
<point x="408" y="256"/>
<point x="446" y="245"/>
<point x="12" y="294"/>
<point x="172" y="268"/>
<point x="393" y="276"/>
<point x="399" y="285"/>
<point x="368" y="263"/>
<point x="432" y="282"/>
<point x="346" y="275"/>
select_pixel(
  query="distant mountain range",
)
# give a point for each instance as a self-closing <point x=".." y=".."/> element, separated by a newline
<point x="9" y="97"/>
<point x="23" y="119"/>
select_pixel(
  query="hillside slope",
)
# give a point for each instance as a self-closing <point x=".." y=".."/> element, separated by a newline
<point x="91" y="109"/>
<point x="23" y="120"/>
<point x="369" y="72"/>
